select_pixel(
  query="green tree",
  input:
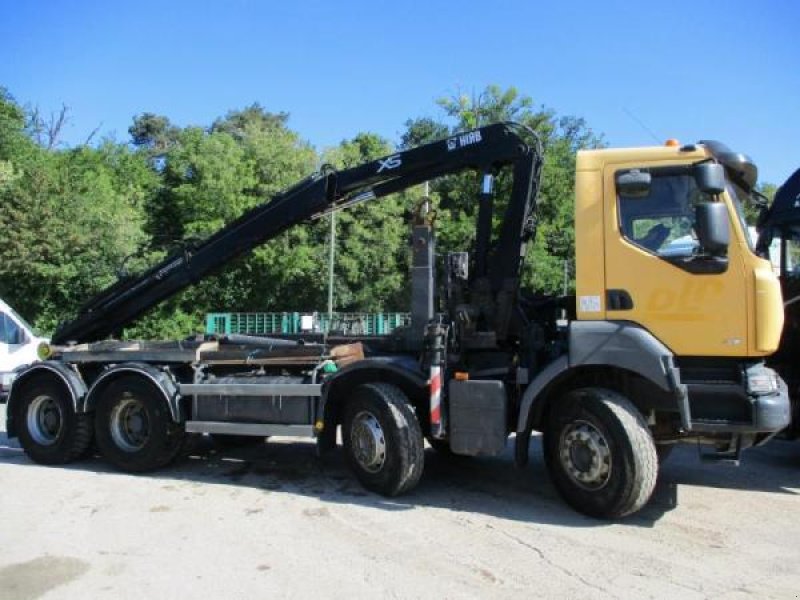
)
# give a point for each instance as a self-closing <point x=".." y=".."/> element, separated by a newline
<point x="153" y="133"/>
<point x="209" y="178"/>
<point x="70" y="218"/>
<point x="372" y="259"/>
<point x="561" y="138"/>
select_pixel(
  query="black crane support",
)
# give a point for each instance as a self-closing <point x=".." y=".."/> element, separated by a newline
<point x="486" y="149"/>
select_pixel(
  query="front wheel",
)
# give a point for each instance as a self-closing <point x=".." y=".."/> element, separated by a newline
<point x="600" y="453"/>
<point x="382" y="439"/>
<point x="134" y="428"/>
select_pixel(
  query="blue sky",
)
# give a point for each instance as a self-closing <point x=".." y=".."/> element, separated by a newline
<point x="690" y="70"/>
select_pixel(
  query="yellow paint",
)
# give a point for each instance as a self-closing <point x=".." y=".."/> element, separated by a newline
<point x="589" y="250"/>
<point x="768" y="302"/>
<point x="735" y="313"/>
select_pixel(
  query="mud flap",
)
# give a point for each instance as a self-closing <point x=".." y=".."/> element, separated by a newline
<point x="478" y="417"/>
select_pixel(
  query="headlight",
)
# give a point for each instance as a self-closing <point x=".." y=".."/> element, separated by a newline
<point x="762" y="381"/>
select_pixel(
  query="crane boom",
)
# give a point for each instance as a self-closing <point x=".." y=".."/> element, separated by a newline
<point x="488" y="149"/>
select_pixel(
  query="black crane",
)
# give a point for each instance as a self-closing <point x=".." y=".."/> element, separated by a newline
<point x="486" y="149"/>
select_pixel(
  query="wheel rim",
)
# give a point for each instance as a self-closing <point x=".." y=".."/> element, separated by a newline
<point x="368" y="442"/>
<point x="130" y="427"/>
<point x="45" y="420"/>
<point x="585" y="455"/>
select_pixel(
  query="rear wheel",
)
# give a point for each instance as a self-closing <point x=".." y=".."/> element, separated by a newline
<point x="50" y="431"/>
<point x="600" y="453"/>
<point x="134" y="428"/>
<point x="382" y="439"/>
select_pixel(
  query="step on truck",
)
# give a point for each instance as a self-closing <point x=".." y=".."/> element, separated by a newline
<point x="662" y="343"/>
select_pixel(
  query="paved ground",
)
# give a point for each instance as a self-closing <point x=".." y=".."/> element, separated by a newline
<point x="275" y="522"/>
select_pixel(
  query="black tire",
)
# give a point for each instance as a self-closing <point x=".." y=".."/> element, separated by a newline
<point x="600" y="453"/>
<point x="224" y="440"/>
<point x="399" y="455"/>
<point x="150" y="446"/>
<point x="49" y="430"/>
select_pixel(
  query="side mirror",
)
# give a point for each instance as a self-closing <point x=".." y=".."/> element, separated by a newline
<point x="634" y="183"/>
<point x="711" y="225"/>
<point x="710" y="178"/>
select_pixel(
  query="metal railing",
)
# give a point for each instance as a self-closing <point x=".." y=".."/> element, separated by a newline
<point x="355" y="324"/>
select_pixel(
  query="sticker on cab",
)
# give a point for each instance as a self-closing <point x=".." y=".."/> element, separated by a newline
<point x="589" y="303"/>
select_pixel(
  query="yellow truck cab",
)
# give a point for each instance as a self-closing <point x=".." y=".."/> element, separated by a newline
<point x="662" y="249"/>
<point x="726" y="305"/>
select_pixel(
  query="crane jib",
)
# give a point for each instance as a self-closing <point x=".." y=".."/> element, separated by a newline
<point x="486" y="149"/>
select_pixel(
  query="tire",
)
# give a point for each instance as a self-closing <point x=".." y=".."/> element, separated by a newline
<point x="224" y="440"/>
<point x="49" y="430"/>
<point x="600" y="453"/>
<point x="134" y="428"/>
<point x="382" y="439"/>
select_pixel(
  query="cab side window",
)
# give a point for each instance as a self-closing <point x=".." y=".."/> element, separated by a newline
<point x="10" y="332"/>
<point x="662" y="220"/>
<point x="3" y="335"/>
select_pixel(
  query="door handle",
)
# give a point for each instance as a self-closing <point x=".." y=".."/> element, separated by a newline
<point x="618" y="300"/>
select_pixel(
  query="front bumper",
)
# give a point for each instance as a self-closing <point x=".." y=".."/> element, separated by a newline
<point x="718" y="408"/>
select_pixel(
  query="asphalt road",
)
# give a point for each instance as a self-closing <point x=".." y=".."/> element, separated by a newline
<point x="275" y="521"/>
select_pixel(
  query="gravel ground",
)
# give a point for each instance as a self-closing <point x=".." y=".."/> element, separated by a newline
<point x="275" y="521"/>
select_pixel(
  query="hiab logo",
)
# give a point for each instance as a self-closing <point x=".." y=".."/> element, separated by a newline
<point x="465" y="139"/>
<point x="390" y="162"/>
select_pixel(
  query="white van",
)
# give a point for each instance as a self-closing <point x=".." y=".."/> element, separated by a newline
<point x="18" y="346"/>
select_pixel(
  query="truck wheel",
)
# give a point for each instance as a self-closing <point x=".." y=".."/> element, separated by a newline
<point x="600" y="453"/>
<point x="50" y="431"/>
<point x="382" y="439"/>
<point x="134" y="428"/>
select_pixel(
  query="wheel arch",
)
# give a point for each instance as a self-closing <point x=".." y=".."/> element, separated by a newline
<point x="644" y="393"/>
<point x="163" y="382"/>
<point x="615" y="354"/>
<point x="50" y="370"/>
<point x="412" y="383"/>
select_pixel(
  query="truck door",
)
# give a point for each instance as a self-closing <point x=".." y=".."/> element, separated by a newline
<point x="655" y="275"/>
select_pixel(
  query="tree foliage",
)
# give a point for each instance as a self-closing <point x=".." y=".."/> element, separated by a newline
<point x="75" y="218"/>
<point x="561" y="138"/>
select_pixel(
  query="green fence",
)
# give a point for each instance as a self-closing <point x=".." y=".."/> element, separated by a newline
<point x="292" y="322"/>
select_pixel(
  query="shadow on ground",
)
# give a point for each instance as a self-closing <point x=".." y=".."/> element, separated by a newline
<point x="491" y="486"/>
